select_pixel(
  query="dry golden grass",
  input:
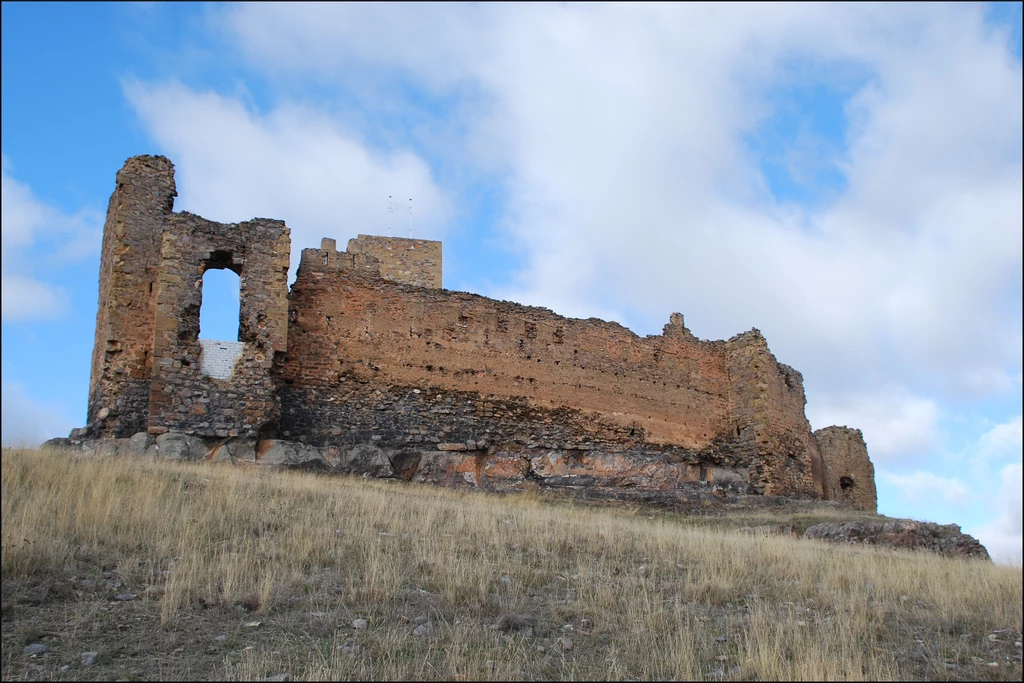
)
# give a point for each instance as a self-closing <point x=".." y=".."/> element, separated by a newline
<point x="639" y="598"/>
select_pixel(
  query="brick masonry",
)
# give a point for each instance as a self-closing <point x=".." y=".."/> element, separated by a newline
<point x="370" y="363"/>
<point x="218" y="357"/>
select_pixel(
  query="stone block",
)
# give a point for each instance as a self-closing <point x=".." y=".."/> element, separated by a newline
<point x="242" y="450"/>
<point x="273" y="452"/>
<point x="140" y="443"/>
<point x="175" y="446"/>
<point x="365" y="459"/>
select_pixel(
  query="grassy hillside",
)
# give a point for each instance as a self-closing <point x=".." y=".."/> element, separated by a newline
<point x="197" y="571"/>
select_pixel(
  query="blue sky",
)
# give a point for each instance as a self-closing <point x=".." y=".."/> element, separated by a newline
<point x="847" y="179"/>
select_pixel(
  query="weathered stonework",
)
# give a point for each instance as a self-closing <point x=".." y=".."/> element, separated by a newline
<point x="122" y="359"/>
<point x="414" y="262"/>
<point x="182" y="397"/>
<point x="367" y="366"/>
<point x="849" y="474"/>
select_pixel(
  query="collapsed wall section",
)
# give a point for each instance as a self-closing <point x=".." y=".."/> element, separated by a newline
<point x="129" y="260"/>
<point x="184" y="398"/>
<point x="849" y="474"/>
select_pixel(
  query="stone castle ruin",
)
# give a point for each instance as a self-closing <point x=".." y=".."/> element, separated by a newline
<point x="367" y="366"/>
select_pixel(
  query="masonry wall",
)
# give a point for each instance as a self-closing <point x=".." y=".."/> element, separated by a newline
<point x="409" y="261"/>
<point x="766" y="406"/>
<point x="368" y="360"/>
<point x="129" y="259"/>
<point x="849" y="474"/>
<point x="346" y="322"/>
<point x="182" y="397"/>
<point x="364" y="352"/>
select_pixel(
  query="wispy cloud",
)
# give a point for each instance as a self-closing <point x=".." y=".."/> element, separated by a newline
<point x="631" y="188"/>
<point x="36" y="234"/>
<point x="1002" y="536"/>
<point x="922" y="485"/>
<point x="1004" y="440"/>
<point x="26" y="421"/>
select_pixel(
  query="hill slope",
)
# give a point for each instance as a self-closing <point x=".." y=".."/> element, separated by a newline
<point x="192" y="571"/>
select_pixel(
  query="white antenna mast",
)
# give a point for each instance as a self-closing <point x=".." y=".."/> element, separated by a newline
<point x="398" y="206"/>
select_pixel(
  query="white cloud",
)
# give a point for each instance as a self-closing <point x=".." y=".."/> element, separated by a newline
<point x="1003" y="440"/>
<point x="293" y="163"/>
<point x="896" y="424"/>
<point x="922" y="486"/>
<point x="26" y="421"/>
<point x="1002" y="536"/>
<point x="27" y="223"/>
<point x="630" y="190"/>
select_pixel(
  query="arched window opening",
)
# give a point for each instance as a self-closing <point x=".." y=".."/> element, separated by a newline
<point x="219" y="315"/>
<point x="219" y="321"/>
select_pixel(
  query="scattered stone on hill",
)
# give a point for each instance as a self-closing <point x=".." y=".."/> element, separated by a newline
<point x="945" y="539"/>
<point x="513" y="622"/>
<point x="770" y="530"/>
<point x="359" y="624"/>
<point x="89" y="658"/>
<point x="350" y="649"/>
<point x="36" y="649"/>
<point x="124" y="597"/>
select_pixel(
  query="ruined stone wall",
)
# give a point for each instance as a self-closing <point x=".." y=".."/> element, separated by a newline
<point x="182" y="397"/>
<point x="373" y="368"/>
<point x="766" y="403"/>
<point x="849" y="474"/>
<point x="409" y="261"/>
<point x="130" y="257"/>
<point x="523" y="378"/>
<point x="347" y="322"/>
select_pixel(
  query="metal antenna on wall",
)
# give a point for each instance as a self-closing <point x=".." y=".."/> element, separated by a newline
<point x="398" y="206"/>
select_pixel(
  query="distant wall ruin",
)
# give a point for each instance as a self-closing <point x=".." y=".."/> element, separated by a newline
<point x="849" y="474"/>
<point x="366" y="359"/>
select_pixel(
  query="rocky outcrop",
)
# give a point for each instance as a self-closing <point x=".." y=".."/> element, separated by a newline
<point x="945" y="539"/>
<point x="627" y="476"/>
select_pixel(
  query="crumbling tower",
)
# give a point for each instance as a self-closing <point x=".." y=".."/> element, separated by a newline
<point x="849" y="474"/>
<point x="122" y="359"/>
<point x="150" y="372"/>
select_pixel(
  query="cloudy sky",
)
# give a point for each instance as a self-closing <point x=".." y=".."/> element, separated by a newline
<point x="847" y="179"/>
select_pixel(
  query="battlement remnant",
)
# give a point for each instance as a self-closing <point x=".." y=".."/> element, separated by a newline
<point x="366" y="365"/>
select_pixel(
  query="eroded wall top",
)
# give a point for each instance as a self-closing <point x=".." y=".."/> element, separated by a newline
<point x="408" y="261"/>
